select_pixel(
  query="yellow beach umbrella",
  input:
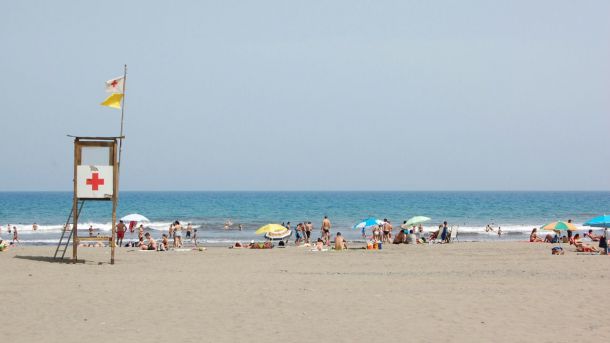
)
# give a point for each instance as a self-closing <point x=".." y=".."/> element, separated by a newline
<point x="270" y="228"/>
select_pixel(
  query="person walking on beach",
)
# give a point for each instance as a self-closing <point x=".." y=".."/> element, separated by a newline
<point x="120" y="233"/>
<point x="326" y="230"/>
<point x="171" y="231"/>
<point x="194" y="239"/>
<point x="90" y="230"/>
<point x="9" y="229"/>
<point x="15" y="235"/>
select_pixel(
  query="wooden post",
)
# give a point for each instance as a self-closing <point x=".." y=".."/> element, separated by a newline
<point x="113" y="161"/>
<point x="77" y="159"/>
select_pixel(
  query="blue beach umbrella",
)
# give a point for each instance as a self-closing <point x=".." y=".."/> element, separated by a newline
<point x="601" y="221"/>
<point x="368" y="222"/>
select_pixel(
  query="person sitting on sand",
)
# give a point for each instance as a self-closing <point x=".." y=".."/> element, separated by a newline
<point x="400" y="237"/>
<point x="319" y="244"/>
<point x="411" y="238"/>
<point x="149" y="243"/>
<point x="592" y="236"/>
<point x="434" y="235"/>
<point x="3" y="245"/>
<point x="550" y="238"/>
<point x="534" y="236"/>
<point x="340" y="243"/>
<point x="582" y="247"/>
<point x="164" y="246"/>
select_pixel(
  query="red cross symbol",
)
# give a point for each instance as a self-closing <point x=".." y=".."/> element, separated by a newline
<point x="114" y="83"/>
<point x="95" y="181"/>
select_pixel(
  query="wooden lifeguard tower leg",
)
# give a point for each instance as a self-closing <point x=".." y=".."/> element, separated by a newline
<point x="77" y="159"/>
<point x="115" y="196"/>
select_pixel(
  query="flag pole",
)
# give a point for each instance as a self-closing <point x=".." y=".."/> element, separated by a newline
<point x="122" y="113"/>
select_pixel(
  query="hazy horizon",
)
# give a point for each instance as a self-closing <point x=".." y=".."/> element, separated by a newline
<point x="346" y="95"/>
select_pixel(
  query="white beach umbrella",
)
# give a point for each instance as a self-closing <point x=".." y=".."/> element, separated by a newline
<point x="134" y="217"/>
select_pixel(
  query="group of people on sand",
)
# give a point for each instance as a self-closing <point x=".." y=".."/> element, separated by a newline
<point x="576" y="240"/>
<point x="303" y="232"/>
<point x="147" y="242"/>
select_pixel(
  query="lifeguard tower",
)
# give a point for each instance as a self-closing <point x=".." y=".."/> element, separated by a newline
<point x="96" y="178"/>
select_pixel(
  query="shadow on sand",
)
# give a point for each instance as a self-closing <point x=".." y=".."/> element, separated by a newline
<point x="48" y="259"/>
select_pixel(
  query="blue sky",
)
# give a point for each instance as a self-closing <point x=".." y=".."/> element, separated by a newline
<point x="316" y="95"/>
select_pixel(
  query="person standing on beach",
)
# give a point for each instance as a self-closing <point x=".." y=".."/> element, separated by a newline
<point x="189" y="229"/>
<point x="140" y="232"/>
<point x="326" y="230"/>
<point x="120" y="233"/>
<point x="177" y="235"/>
<point x="569" y="232"/>
<point x="90" y="230"/>
<point x="9" y="229"/>
<point x="444" y="232"/>
<point x="299" y="231"/>
<point x="35" y="227"/>
<point x="308" y="229"/>
<point x="171" y="231"/>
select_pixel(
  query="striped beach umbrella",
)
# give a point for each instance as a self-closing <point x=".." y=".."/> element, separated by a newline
<point x="559" y="226"/>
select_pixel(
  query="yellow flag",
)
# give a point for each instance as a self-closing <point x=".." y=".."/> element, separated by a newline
<point x="114" y="100"/>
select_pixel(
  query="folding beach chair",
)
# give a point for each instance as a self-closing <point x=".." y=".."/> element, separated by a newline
<point x="453" y="235"/>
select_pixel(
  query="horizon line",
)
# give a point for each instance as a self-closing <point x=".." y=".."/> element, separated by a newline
<point x="328" y="191"/>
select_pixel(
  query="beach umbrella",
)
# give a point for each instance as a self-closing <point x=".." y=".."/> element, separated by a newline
<point x="368" y="222"/>
<point x="601" y="221"/>
<point x="415" y="221"/>
<point x="134" y="217"/>
<point x="559" y="226"/>
<point x="270" y="228"/>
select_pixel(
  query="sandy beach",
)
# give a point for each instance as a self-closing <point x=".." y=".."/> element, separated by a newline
<point x="461" y="292"/>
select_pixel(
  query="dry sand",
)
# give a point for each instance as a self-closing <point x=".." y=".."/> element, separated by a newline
<point x="462" y="292"/>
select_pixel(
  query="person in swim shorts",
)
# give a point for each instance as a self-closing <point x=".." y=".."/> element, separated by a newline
<point x="326" y="230"/>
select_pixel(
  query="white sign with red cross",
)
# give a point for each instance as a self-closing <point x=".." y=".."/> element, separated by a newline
<point x="94" y="182"/>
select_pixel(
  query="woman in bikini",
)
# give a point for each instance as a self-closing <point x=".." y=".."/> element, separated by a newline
<point x="534" y="236"/>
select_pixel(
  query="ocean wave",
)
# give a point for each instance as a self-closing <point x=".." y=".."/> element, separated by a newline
<point x="164" y="226"/>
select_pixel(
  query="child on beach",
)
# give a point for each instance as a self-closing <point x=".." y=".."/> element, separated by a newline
<point x="15" y="235"/>
<point x="194" y="239"/>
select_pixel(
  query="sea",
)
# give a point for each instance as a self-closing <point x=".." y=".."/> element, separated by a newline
<point x="217" y="215"/>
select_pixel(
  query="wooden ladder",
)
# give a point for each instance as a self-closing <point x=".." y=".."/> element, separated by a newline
<point x="64" y="241"/>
